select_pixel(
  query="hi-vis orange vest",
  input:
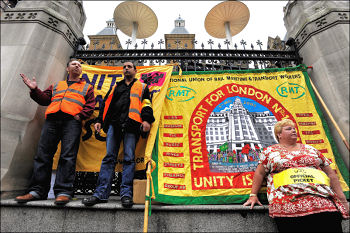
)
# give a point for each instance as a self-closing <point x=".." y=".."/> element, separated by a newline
<point x="136" y="104"/>
<point x="68" y="99"/>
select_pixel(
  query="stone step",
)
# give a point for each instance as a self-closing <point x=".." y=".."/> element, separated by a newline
<point x="45" y="216"/>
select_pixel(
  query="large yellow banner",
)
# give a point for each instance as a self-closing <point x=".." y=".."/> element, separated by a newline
<point x="92" y="146"/>
<point x="214" y="124"/>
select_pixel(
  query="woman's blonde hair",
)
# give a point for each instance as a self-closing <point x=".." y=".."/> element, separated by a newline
<point x="278" y="126"/>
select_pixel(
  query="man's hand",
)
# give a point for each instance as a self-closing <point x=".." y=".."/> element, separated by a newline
<point x="98" y="127"/>
<point x="146" y="126"/>
<point x="31" y="84"/>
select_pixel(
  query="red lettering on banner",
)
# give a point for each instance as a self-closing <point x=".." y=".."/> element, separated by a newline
<point x="310" y="132"/>
<point x="172" y="126"/>
<point x="307" y="123"/>
<point x="176" y="165"/>
<point x="173" y="135"/>
<point x="173" y="117"/>
<point x="173" y="154"/>
<point x="174" y="186"/>
<point x="174" y="175"/>
<point x="323" y="151"/>
<point x="202" y="177"/>
<point x="304" y="114"/>
<point x="314" y="141"/>
<point x="173" y="144"/>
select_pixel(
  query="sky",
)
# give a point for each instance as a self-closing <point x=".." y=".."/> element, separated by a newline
<point x="266" y="19"/>
<point x="249" y="104"/>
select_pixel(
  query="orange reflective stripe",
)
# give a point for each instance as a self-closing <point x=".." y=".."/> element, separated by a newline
<point x="108" y="102"/>
<point x="136" y="93"/>
<point x="54" y="89"/>
<point x="70" y="99"/>
<point x="135" y="107"/>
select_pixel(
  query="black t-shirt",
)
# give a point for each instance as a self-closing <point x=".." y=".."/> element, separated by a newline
<point x="120" y="104"/>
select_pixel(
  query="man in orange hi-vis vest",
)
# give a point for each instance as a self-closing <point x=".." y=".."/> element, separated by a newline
<point x="69" y="102"/>
<point x="125" y="114"/>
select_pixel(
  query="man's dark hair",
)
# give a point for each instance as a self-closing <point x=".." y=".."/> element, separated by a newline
<point x="133" y="64"/>
<point x="72" y="59"/>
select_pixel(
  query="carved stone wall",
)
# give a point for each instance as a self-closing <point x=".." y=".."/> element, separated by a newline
<point x="321" y="32"/>
<point x="37" y="39"/>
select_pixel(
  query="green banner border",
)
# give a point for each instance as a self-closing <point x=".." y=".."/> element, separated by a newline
<point x="338" y="159"/>
<point x="239" y="199"/>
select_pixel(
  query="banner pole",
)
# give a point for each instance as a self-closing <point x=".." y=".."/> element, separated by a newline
<point x="329" y="114"/>
<point x="145" y="220"/>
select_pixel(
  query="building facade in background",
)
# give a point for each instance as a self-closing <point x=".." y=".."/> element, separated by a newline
<point x="37" y="39"/>
<point x="179" y="37"/>
<point x="237" y="127"/>
<point x="106" y="39"/>
<point x="321" y="33"/>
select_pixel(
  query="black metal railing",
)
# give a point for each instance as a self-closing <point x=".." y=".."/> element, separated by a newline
<point x="197" y="59"/>
<point x="85" y="182"/>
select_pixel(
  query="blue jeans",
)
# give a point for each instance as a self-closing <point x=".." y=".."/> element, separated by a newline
<point x="104" y="182"/>
<point x="54" y="131"/>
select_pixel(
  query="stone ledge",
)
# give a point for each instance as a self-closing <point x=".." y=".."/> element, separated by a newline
<point x="115" y="204"/>
<point x="45" y="216"/>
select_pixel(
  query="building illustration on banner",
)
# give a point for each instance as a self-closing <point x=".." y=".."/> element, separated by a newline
<point x="237" y="129"/>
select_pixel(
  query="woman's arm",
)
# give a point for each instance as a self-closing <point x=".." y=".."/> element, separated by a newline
<point x="335" y="185"/>
<point x="258" y="179"/>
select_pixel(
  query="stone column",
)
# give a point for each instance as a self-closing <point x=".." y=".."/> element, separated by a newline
<point x="321" y="32"/>
<point x="37" y="39"/>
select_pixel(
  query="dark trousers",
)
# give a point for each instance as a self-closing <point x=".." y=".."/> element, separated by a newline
<point x="105" y="177"/>
<point x="321" y="222"/>
<point x="54" y="131"/>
